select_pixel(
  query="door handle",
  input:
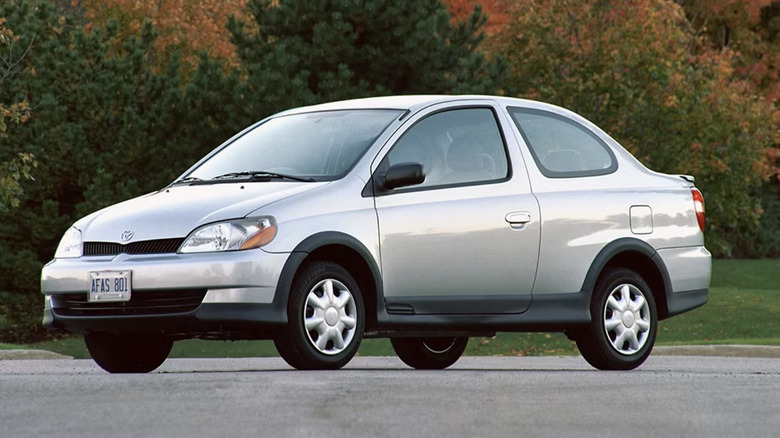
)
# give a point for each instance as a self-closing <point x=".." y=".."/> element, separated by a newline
<point x="518" y="218"/>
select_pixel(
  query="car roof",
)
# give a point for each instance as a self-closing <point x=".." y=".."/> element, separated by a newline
<point x="385" y="102"/>
<point x="407" y="102"/>
<point x="413" y="103"/>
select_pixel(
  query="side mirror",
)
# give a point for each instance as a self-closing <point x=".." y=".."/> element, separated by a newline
<point x="402" y="175"/>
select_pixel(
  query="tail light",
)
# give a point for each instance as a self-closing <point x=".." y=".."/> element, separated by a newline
<point x="698" y="207"/>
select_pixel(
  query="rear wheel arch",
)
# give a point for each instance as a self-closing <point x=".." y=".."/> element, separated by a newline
<point x="640" y="257"/>
<point x="343" y="250"/>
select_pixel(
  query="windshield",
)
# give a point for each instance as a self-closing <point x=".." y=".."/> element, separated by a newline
<point x="319" y="146"/>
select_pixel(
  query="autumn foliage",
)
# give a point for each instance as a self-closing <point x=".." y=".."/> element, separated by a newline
<point x="640" y="70"/>
<point x="113" y="113"/>
<point x="14" y="167"/>
<point x="190" y="26"/>
<point x="748" y="28"/>
<point x="495" y="10"/>
<point x="101" y="100"/>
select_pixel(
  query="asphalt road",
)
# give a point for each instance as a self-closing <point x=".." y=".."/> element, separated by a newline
<point x="380" y="397"/>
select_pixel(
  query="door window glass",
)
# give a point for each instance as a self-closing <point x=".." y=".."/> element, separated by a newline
<point x="462" y="146"/>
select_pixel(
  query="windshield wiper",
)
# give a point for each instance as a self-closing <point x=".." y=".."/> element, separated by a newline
<point x="186" y="179"/>
<point x="261" y="174"/>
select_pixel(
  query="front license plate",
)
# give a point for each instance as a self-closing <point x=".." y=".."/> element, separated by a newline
<point x="110" y="286"/>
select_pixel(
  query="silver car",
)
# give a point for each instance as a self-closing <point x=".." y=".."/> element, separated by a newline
<point x="423" y="219"/>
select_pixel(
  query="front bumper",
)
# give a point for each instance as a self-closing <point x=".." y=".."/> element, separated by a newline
<point x="230" y="295"/>
<point x="209" y="321"/>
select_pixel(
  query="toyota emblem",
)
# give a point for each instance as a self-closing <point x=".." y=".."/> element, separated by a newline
<point x="127" y="235"/>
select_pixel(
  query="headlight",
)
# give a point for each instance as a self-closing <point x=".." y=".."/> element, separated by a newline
<point x="231" y="235"/>
<point x="70" y="244"/>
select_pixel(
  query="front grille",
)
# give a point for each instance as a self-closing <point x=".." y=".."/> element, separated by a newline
<point x="158" y="302"/>
<point x="161" y="246"/>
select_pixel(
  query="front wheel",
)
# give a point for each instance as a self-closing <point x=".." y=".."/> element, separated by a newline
<point x="624" y="322"/>
<point x="326" y="318"/>
<point x="128" y="353"/>
<point x="429" y="353"/>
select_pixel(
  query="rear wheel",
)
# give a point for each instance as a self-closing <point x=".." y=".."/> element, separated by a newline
<point x="326" y="318"/>
<point x="429" y="353"/>
<point x="624" y="322"/>
<point x="128" y="353"/>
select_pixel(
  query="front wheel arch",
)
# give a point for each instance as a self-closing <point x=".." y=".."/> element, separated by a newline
<point x="345" y="251"/>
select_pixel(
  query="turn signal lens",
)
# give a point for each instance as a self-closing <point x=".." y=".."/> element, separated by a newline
<point x="262" y="238"/>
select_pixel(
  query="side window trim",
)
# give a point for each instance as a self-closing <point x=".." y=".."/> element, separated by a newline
<point x="374" y="185"/>
<point x="562" y="174"/>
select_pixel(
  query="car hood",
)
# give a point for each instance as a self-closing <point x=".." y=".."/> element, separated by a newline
<point x="175" y="211"/>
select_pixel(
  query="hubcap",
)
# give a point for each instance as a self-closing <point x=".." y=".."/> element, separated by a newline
<point x="330" y="317"/>
<point x="627" y="319"/>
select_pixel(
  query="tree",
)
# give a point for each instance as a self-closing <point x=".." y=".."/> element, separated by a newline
<point x="191" y="27"/>
<point x="110" y="122"/>
<point x="16" y="167"/>
<point x="102" y="127"/>
<point x="637" y="69"/>
<point x="306" y="52"/>
<point x="495" y="11"/>
<point x="750" y="28"/>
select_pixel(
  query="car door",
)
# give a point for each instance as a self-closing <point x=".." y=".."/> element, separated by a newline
<point x="465" y="241"/>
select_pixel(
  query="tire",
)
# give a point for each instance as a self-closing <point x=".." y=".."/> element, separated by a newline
<point x="326" y="318"/>
<point x="429" y="353"/>
<point x="624" y="322"/>
<point x="124" y="353"/>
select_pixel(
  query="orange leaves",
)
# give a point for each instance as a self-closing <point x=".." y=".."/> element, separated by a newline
<point x="15" y="113"/>
<point x="6" y="35"/>
<point x="709" y="15"/>
<point x="748" y="27"/>
<point x="190" y="26"/>
<point x="640" y="70"/>
<point x="18" y="168"/>
<point x="772" y="163"/>
<point x="733" y="10"/>
<point x="495" y="10"/>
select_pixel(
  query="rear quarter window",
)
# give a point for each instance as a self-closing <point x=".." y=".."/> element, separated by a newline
<point x="561" y="147"/>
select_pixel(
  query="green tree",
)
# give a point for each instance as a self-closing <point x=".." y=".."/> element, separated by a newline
<point x="637" y="69"/>
<point x="296" y="53"/>
<point x="309" y="52"/>
<point x="106" y="125"/>
<point x="187" y="25"/>
<point x="17" y="167"/>
<point x="102" y="127"/>
<point x="751" y="29"/>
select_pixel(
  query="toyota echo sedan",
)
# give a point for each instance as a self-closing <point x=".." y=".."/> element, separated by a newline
<point x="423" y="219"/>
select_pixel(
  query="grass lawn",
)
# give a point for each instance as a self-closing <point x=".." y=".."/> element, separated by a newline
<point x="743" y="308"/>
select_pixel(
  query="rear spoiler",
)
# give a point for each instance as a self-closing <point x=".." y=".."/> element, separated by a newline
<point x="688" y="178"/>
